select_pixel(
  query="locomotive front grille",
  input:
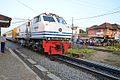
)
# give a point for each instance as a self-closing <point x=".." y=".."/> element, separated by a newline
<point x="58" y="46"/>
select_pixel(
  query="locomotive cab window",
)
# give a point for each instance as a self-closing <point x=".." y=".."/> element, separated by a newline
<point x="37" y="19"/>
<point x="48" y="18"/>
<point x="61" y="20"/>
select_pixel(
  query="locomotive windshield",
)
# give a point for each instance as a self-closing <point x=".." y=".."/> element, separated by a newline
<point x="61" y="20"/>
<point x="48" y="18"/>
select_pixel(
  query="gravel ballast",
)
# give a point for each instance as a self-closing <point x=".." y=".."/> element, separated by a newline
<point x="59" y="69"/>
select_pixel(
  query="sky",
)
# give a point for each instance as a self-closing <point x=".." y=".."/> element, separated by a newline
<point x="79" y="10"/>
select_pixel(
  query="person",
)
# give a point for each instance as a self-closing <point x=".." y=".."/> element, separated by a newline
<point x="21" y="43"/>
<point x="3" y="40"/>
<point x="105" y="41"/>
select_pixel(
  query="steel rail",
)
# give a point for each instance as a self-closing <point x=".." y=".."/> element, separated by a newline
<point x="98" y="68"/>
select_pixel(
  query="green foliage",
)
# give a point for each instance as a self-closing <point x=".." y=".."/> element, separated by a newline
<point x="86" y="50"/>
<point x="72" y="50"/>
<point x="113" y="48"/>
<point x="78" y="50"/>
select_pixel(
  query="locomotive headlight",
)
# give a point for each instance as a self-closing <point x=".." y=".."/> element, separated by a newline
<point x="48" y="38"/>
<point x="60" y="29"/>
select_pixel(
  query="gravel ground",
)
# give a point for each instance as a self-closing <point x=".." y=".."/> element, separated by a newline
<point x="61" y="70"/>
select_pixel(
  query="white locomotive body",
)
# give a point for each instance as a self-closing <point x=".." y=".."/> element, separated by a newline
<point x="45" y="32"/>
<point x="49" y="25"/>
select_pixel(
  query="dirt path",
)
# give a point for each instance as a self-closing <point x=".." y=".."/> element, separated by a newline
<point x="99" y="56"/>
<point x="106" y="57"/>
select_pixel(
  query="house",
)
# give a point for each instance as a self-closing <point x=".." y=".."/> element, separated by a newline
<point x="78" y="33"/>
<point x="104" y="29"/>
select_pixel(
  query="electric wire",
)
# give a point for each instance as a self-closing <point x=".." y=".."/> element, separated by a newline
<point x="87" y="4"/>
<point x="17" y="22"/>
<point x="19" y="18"/>
<point x="96" y="16"/>
<point x="105" y="14"/>
<point x="27" y="6"/>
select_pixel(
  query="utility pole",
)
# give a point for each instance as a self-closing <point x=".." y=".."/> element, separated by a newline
<point x="72" y="22"/>
<point x="28" y="32"/>
<point x="72" y="31"/>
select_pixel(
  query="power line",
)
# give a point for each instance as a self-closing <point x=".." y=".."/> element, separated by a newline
<point x="27" y="6"/>
<point x="116" y="8"/>
<point x="17" y="22"/>
<point x="105" y="14"/>
<point x="19" y="19"/>
<point x="90" y="5"/>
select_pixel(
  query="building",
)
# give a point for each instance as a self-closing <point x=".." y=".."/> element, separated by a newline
<point x="78" y="33"/>
<point x="4" y="21"/>
<point x="103" y="30"/>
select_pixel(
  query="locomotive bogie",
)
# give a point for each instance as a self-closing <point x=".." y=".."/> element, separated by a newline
<point x="55" y="46"/>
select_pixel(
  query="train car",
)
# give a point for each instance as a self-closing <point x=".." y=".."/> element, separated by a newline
<point x="9" y="35"/>
<point x="21" y="31"/>
<point x="45" y="32"/>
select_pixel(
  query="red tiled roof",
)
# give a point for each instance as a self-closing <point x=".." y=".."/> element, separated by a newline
<point x="105" y="26"/>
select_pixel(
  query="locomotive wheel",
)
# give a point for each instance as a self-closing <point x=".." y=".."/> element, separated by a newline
<point x="35" y="48"/>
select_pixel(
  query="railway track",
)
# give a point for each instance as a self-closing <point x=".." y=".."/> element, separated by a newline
<point x="104" y="70"/>
<point x="107" y="71"/>
<point x="25" y="57"/>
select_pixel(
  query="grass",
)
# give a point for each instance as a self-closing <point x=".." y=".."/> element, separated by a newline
<point x="113" y="48"/>
<point x="78" y="50"/>
<point x="110" y="58"/>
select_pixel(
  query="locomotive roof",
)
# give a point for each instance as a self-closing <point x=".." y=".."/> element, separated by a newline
<point x="49" y="14"/>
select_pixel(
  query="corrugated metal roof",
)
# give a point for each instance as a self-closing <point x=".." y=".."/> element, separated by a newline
<point x="5" y="21"/>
